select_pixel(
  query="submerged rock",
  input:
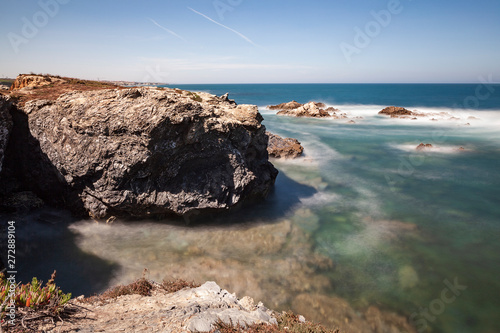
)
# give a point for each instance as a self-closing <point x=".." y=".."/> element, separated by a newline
<point x="283" y="147"/>
<point x="143" y="151"/>
<point x="336" y="312"/>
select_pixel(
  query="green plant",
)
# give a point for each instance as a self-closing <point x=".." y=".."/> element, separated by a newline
<point x="46" y="300"/>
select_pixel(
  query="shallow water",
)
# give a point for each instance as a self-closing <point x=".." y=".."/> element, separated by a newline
<point x="362" y="215"/>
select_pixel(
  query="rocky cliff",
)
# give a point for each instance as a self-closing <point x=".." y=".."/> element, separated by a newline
<point x="141" y="152"/>
<point x="5" y="126"/>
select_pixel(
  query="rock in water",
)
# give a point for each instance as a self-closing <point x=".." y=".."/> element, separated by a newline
<point x="423" y="146"/>
<point x="283" y="147"/>
<point x="396" y="112"/>
<point x="310" y="109"/>
<point x="5" y="126"/>
<point x="286" y="106"/>
<point x="149" y="151"/>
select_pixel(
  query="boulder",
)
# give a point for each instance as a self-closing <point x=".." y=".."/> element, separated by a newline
<point x="286" y="106"/>
<point x="283" y="147"/>
<point x="144" y="151"/>
<point x="310" y="109"/>
<point x="5" y="126"/>
<point x="396" y="112"/>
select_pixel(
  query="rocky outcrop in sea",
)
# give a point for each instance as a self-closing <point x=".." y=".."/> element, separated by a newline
<point x="279" y="147"/>
<point x="140" y="152"/>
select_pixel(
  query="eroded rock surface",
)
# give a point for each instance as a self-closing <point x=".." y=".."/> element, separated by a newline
<point x="283" y="147"/>
<point x="147" y="151"/>
<point x="188" y="310"/>
<point x="286" y="106"/>
<point x="310" y="109"/>
<point x="30" y="81"/>
<point x="5" y="126"/>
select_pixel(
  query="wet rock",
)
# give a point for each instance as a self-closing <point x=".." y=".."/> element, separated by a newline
<point x="283" y="147"/>
<point x="424" y="146"/>
<point x="146" y="151"/>
<point x="397" y="112"/>
<point x="286" y="106"/>
<point x="310" y="109"/>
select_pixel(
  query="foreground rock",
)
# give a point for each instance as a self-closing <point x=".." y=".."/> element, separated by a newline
<point x="279" y="147"/>
<point x="142" y="152"/>
<point x="5" y="126"/>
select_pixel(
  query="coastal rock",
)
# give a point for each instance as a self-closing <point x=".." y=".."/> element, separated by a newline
<point x="145" y="151"/>
<point x="423" y="146"/>
<point x="5" y="126"/>
<point x="286" y="106"/>
<point x="33" y="80"/>
<point x="397" y="112"/>
<point x="310" y="109"/>
<point x="187" y="310"/>
<point x="283" y="147"/>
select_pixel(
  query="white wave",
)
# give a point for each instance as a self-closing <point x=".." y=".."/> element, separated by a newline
<point x="435" y="149"/>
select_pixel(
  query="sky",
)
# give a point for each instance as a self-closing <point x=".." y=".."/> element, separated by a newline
<point x="253" y="41"/>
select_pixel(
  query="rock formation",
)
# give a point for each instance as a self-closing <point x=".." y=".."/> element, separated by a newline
<point x="424" y="146"/>
<point x="5" y="126"/>
<point x="33" y="80"/>
<point x="142" y="152"/>
<point x="310" y="109"/>
<point x="286" y="106"/>
<point x="399" y="112"/>
<point x="283" y="147"/>
<point x="188" y="310"/>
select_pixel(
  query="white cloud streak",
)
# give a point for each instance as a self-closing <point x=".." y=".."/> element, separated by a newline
<point x="167" y="30"/>
<point x="225" y="27"/>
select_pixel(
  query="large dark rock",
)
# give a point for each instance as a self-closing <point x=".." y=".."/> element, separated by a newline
<point x="396" y="112"/>
<point x="144" y="151"/>
<point x="283" y="147"/>
<point x="5" y="126"/>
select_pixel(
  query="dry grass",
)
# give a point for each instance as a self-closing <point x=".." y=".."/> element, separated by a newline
<point x="141" y="287"/>
<point x="56" y="89"/>
<point x="176" y="285"/>
<point x="288" y="322"/>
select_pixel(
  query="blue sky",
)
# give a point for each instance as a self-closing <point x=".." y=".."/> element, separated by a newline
<point x="253" y="41"/>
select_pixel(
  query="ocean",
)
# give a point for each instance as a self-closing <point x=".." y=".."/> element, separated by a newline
<point x="362" y="216"/>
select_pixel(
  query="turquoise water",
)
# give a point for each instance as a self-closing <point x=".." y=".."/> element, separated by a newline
<point x="448" y="201"/>
<point x="411" y="232"/>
